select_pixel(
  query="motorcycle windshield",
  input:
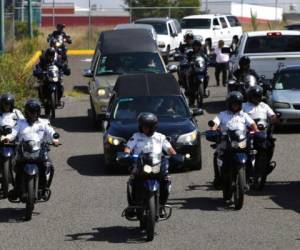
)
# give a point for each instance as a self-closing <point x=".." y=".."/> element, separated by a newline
<point x="237" y="135"/>
<point x="151" y="159"/>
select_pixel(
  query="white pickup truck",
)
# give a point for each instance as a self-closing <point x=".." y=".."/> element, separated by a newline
<point x="268" y="49"/>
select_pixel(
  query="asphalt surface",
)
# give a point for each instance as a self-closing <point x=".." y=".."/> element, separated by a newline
<point x="85" y="209"/>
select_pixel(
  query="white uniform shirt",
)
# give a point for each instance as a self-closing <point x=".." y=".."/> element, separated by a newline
<point x="40" y="131"/>
<point x="10" y="118"/>
<point x="227" y="119"/>
<point x="139" y="142"/>
<point x="260" y="111"/>
<point x="220" y="57"/>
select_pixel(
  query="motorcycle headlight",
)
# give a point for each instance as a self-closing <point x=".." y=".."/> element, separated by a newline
<point x="101" y="92"/>
<point x="156" y="169"/>
<point x="113" y="140"/>
<point x="188" y="138"/>
<point x="200" y="62"/>
<point x="241" y="144"/>
<point x="147" y="169"/>
<point x="281" y="105"/>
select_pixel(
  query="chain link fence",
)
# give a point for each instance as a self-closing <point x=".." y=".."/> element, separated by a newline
<point x="84" y="24"/>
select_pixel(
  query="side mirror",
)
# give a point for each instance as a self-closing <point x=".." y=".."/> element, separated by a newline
<point x="88" y="73"/>
<point x="172" y="68"/>
<point x="56" y="136"/>
<point x="197" y="112"/>
<point x="174" y="34"/>
<point x="211" y="123"/>
<point x="216" y="27"/>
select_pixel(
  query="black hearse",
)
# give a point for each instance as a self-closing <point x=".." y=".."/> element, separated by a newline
<point x="161" y="95"/>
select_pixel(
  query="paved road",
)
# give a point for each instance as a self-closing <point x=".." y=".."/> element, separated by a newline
<point x="85" y="209"/>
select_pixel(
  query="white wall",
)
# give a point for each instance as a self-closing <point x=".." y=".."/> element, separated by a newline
<point x="262" y="12"/>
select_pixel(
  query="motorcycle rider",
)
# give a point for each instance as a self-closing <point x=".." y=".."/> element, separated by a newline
<point x="8" y="114"/>
<point x="192" y="55"/>
<point x="244" y="69"/>
<point x="48" y="59"/>
<point x="257" y="109"/>
<point x="60" y="32"/>
<point x="188" y="41"/>
<point x="41" y="128"/>
<point x="232" y="115"/>
<point x="147" y="140"/>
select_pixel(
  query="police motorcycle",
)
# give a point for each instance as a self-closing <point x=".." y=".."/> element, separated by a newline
<point x="60" y="44"/>
<point x="143" y="190"/>
<point x="260" y="144"/>
<point x="183" y="67"/>
<point x="231" y="161"/>
<point x="32" y="155"/>
<point x="49" y="87"/>
<point x="197" y="79"/>
<point x="242" y="86"/>
<point x="7" y="154"/>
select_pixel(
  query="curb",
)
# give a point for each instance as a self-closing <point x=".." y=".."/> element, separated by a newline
<point x="78" y="52"/>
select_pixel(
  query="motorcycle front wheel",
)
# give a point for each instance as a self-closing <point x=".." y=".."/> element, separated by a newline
<point x="30" y="197"/>
<point x="239" y="189"/>
<point x="260" y="176"/>
<point x="150" y="217"/>
<point x="5" y="177"/>
<point x="53" y="104"/>
<point x="200" y="94"/>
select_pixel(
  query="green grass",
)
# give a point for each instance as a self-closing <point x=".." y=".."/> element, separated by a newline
<point x="14" y="78"/>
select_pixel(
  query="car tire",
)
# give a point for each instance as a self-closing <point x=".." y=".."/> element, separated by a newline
<point x="97" y="123"/>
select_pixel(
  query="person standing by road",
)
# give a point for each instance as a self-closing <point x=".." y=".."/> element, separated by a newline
<point x="222" y="60"/>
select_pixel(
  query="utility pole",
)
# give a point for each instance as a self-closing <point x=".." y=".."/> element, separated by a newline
<point x="30" y="33"/>
<point x="2" y="30"/>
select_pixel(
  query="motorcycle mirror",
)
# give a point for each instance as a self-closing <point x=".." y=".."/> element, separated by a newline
<point x="172" y="68"/>
<point x="197" y="112"/>
<point x="56" y="135"/>
<point x="211" y="123"/>
<point x="7" y="130"/>
<point x="231" y="82"/>
<point x="278" y="114"/>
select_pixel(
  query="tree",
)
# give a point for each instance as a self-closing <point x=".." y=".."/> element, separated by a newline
<point x="147" y="12"/>
<point x="155" y="11"/>
<point x="179" y="13"/>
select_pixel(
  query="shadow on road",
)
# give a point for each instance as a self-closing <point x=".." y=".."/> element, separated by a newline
<point x="92" y="165"/>
<point x="214" y="107"/>
<point x="202" y="203"/>
<point x="115" y="234"/>
<point x="289" y="129"/>
<point x="284" y="194"/>
<point x="13" y="215"/>
<point x="84" y="89"/>
<point x="74" y="124"/>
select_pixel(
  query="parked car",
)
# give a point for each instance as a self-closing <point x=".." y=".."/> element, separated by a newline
<point x="267" y="49"/>
<point x="284" y="97"/>
<point x="139" y="54"/>
<point x="294" y="26"/>
<point x="143" y="93"/>
<point x="211" y="28"/>
<point x="129" y="26"/>
<point x="168" y="35"/>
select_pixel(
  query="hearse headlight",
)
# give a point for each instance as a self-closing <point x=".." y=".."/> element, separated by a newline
<point x="114" y="140"/>
<point x="188" y="138"/>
